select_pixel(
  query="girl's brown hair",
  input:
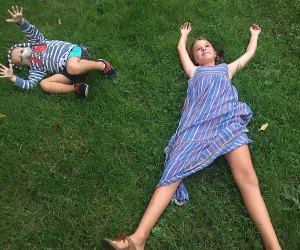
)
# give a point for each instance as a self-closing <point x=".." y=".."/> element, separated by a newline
<point x="220" y="53"/>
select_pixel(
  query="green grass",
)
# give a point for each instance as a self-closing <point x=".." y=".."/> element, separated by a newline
<point x="74" y="171"/>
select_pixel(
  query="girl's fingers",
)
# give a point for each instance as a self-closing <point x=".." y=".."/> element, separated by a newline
<point x="186" y="25"/>
<point x="255" y="26"/>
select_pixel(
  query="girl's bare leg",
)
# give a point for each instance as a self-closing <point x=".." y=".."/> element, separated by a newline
<point x="158" y="203"/>
<point x="247" y="182"/>
<point x="58" y="84"/>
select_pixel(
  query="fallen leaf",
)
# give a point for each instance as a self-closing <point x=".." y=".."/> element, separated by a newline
<point x="55" y="127"/>
<point x="264" y="126"/>
<point x="59" y="21"/>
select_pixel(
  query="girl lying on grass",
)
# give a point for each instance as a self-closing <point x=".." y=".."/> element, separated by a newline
<point x="213" y="123"/>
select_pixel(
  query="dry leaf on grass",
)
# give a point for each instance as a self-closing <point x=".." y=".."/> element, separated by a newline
<point x="264" y="127"/>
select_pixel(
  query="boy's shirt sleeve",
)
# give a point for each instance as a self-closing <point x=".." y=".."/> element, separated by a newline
<point x="32" y="33"/>
<point x="34" y="77"/>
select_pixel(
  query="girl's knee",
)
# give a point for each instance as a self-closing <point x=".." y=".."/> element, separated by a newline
<point x="248" y="179"/>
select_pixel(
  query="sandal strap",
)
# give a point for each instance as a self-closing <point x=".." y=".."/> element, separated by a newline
<point x="131" y="245"/>
<point x="108" y="243"/>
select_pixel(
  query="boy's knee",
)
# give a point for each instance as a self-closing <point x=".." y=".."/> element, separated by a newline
<point x="45" y="85"/>
<point x="73" y="68"/>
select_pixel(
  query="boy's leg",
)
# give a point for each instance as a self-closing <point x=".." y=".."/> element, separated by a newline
<point x="77" y="66"/>
<point x="246" y="180"/>
<point x="158" y="203"/>
<point x="79" y="63"/>
<point x="58" y="84"/>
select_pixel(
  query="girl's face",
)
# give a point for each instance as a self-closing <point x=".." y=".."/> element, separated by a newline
<point x="204" y="53"/>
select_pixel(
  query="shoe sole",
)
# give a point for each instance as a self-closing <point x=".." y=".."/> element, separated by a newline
<point x="108" y="245"/>
<point x="86" y="92"/>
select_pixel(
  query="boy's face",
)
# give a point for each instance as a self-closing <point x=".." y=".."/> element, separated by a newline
<point x="19" y="56"/>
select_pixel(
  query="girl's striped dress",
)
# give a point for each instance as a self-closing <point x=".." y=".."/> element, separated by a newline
<point x="213" y="122"/>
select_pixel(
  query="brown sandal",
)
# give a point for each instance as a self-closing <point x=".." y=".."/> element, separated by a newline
<point x="108" y="244"/>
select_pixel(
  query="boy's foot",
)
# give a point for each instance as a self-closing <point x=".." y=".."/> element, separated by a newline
<point x="82" y="89"/>
<point x="108" y="70"/>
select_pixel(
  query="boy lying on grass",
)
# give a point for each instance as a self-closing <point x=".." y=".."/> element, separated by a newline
<point x="68" y="63"/>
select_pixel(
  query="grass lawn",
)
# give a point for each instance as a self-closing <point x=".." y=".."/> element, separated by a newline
<point x="74" y="171"/>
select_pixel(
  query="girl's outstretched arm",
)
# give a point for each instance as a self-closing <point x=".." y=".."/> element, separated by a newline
<point x="244" y="59"/>
<point x="186" y="62"/>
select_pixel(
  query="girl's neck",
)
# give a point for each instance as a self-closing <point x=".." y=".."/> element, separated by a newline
<point x="212" y="64"/>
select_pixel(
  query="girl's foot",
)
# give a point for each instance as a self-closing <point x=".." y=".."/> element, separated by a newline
<point x="122" y="243"/>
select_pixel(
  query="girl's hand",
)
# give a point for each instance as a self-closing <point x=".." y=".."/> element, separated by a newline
<point x="6" y="72"/>
<point x="16" y="15"/>
<point x="255" y="29"/>
<point x="185" y="29"/>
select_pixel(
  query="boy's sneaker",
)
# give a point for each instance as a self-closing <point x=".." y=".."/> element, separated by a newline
<point x="108" y="70"/>
<point x="82" y="89"/>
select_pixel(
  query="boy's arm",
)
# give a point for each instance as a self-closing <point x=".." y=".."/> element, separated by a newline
<point x="244" y="59"/>
<point x="34" y="77"/>
<point x="31" y="32"/>
<point x="16" y="15"/>
<point x="186" y="62"/>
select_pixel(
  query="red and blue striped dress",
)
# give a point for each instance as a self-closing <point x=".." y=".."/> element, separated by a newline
<point x="213" y="122"/>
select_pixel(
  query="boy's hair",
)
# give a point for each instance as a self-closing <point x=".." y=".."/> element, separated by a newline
<point x="220" y="53"/>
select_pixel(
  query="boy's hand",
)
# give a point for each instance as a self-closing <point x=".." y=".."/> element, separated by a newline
<point x="6" y="72"/>
<point x="185" y="29"/>
<point x="16" y="15"/>
<point x="255" y="29"/>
